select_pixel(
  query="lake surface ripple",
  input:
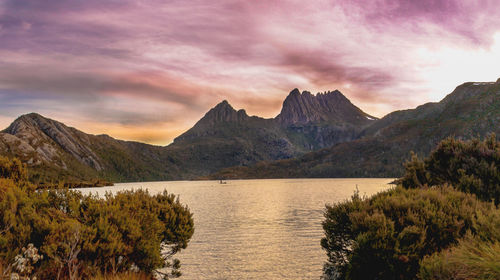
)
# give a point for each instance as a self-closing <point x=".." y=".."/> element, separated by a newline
<point x="256" y="229"/>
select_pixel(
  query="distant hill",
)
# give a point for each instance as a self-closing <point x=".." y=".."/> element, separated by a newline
<point x="55" y="151"/>
<point x="472" y="109"/>
<point x="322" y="135"/>
<point x="224" y="137"/>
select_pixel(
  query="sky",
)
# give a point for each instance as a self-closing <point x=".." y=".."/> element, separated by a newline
<point x="147" y="70"/>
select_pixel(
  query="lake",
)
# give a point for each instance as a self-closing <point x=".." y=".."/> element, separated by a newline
<point x="256" y="229"/>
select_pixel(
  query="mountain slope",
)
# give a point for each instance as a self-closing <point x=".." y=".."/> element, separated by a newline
<point x="472" y="109"/>
<point x="224" y="137"/>
<point x="329" y="107"/>
<point x="56" y="151"/>
<point x="322" y="120"/>
<point x="358" y="144"/>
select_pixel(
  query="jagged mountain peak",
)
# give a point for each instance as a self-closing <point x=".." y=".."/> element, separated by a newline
<point x="295" y="91"/>
<point x="27" y="123"/>
<point x="223" y="104"/>
<point x="219" y="115"/>
<point x="224" y="112"/>
<point x="324" y="107"/>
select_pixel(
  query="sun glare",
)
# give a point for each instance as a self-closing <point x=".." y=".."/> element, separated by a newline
<point x="447" y="67"/>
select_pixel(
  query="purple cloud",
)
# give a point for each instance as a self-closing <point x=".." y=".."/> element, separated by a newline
<point x="186" y="56"/>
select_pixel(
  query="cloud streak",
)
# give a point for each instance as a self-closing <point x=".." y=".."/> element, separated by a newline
<point x="130" y="64"/>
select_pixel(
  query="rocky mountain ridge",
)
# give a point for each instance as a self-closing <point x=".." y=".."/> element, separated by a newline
<point x="43" y="134"/>
<point x="471" y="110"/>
<point x="328" y="107"/>
<point x="345" y="142"/>
<point x="307" y="122"/>
<point x="223" y="137"/>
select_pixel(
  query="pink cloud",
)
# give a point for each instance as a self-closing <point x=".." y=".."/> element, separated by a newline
<point x="193" y="54"/>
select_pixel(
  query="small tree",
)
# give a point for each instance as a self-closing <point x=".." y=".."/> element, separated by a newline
<point x="63" y="245"/>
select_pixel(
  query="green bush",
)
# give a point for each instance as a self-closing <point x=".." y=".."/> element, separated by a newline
<point x="83" y="236"/>
<point x="386" y="236"/>
<point x="471" y="166"/>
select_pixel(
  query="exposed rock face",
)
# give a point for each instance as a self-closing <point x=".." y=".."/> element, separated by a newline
<point x="329" y="107"/>
<point x="471" y="110"/>
<point x="55" y="152"/>
<point x="226" y="137"/>
<point x="306" y="122"/>
<point x="223" y="137"/>
<point x="39" y="132"/>
<point x="10" y="144"/>
<point x="223" y="112"/>
<point x="325" y="119"/>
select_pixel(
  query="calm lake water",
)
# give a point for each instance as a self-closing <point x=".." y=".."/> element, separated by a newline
<point x="256" y="229"/>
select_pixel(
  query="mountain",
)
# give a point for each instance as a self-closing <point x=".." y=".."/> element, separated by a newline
<point x="329" y="107"/>
<point x="322" y="135"/>
<point x="472" y="109"/>
<point x="55" y="151"/>
<point x="227" y="137"/>
<point x="321" y="120"/>
<point x="224" y="137"/>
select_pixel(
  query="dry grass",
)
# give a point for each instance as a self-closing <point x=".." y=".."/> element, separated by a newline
<point x="471" y="259"/>
<point x="3" y="268"/>
<point x="118" y="276"/>
<point x="123" y="276"/>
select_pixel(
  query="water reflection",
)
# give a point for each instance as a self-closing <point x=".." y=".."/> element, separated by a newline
<point x="256" y="229"/>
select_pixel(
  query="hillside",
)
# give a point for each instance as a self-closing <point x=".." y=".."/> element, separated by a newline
<point x="56" y="151"/>
<point x="472" y="109"/>
<point x="224" y="137"/>
<point x="322" y="135"/>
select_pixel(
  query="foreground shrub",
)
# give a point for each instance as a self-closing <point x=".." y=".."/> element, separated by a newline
<point x="471" y="166"/>
<point x="12" y="169"/>
<point x="83" y="236"/>
<point x="386" y="236"/>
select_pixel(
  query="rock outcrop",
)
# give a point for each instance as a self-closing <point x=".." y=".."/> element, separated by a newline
<point x="328" y="107"/>
<point x="223" y="137"/>
<point x="42" y="133"/>
<point x="471" y="110"/>
<point x="353" y="143"/>
<point x="221" y="115"/>
<point x="325" y="119"/>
